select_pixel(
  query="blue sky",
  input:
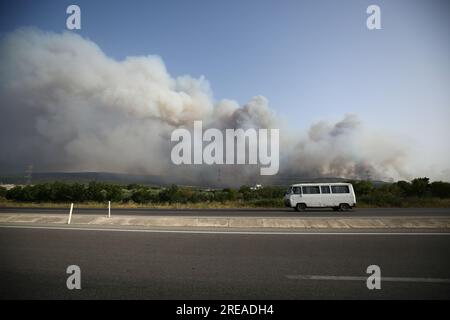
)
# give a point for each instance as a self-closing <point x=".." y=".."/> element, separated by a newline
<point x="313" y="60"/>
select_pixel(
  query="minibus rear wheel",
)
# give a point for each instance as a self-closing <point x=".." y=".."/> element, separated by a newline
<point x="300" y="207"/>
<point x="344" y="207"/>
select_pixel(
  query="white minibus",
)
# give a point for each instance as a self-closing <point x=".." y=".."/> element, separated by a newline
<point x="339" y="196"/>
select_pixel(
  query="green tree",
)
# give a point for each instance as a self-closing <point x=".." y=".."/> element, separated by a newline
<point x="363" y="187"/>
<point x="440" y="189"/>
<point x="405" y="187"/>
<point x="420" y="186"/>
<point x="2" y="192"/>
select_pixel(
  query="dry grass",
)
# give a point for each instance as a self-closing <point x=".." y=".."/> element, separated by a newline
<point x="410" y="203"/>
<point x="132" y="205"/>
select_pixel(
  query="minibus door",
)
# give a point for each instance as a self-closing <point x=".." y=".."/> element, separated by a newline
<point x="296" y="195"/>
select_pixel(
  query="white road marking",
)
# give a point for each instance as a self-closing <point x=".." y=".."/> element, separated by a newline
<point x="230" y="232"/>
<point x="383" y="279"/>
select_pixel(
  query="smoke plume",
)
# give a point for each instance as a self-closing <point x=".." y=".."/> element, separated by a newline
<point x="66" y="106"/>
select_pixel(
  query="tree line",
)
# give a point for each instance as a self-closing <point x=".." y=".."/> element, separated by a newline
<point x="394" y="194"/>
<point x="101" y="192"/>
<point x="401" y="193"/>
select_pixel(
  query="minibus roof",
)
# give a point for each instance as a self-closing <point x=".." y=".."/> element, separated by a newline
<point x="321" y="184"/>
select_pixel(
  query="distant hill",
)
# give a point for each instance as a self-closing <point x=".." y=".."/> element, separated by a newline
<point x="84" y="177"/>
<point x="150" y="180"/>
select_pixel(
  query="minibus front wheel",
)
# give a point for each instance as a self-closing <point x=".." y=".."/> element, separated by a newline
<point x="300" y="207"/>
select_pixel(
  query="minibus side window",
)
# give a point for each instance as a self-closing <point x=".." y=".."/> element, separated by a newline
<point x="297" y="190"/>
<point x="325" y="189"/>
<point x="311" y="190"/>
<point x="340" y="189"/>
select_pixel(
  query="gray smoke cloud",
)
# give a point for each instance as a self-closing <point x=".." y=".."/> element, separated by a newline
<point x="345" y="149"/>
<point x="66" y="106"/>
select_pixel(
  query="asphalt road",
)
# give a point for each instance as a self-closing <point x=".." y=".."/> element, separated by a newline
<point x="358" y="212"/>
<point x="158" y="265"/>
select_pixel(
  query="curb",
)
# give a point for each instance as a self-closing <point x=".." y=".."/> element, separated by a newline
<point x="237" y="222"/>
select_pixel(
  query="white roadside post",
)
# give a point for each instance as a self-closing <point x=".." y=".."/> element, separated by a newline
<point x="70" y="213"/>
<point x="109" y="209"/>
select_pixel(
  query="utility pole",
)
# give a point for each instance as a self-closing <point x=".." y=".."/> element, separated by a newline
<point x="29" y="174"/>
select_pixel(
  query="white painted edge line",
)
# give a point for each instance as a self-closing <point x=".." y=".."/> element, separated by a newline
<point x="229" y="232"/>
<point x="383" y="279"/>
